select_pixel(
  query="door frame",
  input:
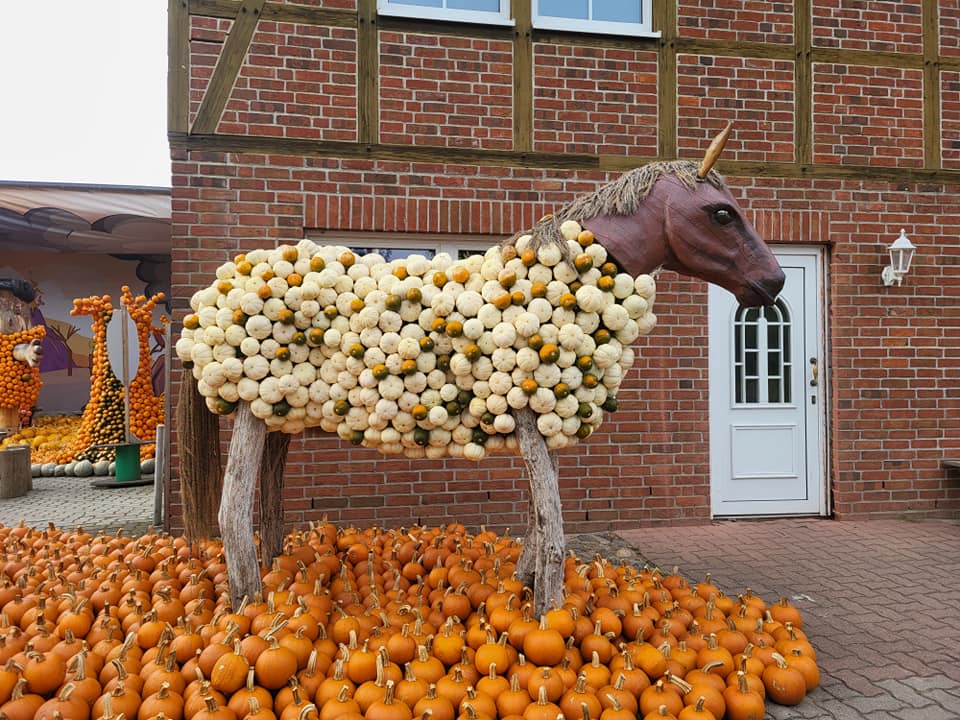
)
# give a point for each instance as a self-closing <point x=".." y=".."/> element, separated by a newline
<point x="819" y="254"/>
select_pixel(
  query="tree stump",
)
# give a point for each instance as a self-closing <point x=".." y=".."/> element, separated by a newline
<point x="15" y="480"/>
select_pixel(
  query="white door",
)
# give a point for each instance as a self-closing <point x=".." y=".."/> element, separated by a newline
<point x="767" y="405"/>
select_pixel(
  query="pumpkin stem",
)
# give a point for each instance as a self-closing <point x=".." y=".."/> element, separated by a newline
<point x="307" y="709"/>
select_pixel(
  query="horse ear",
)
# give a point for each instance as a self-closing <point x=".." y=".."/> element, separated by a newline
<point x="713" y="152"/>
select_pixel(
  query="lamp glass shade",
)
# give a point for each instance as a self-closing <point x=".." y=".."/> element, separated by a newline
<point x="901" y="254"/>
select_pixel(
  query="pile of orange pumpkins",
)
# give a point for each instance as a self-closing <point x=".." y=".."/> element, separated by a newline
<point x="375" y="624"/>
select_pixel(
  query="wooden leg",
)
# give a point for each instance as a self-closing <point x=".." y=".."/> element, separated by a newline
<point x="201" y="474"/>
<point x="527" y="564"/>
<point x="236" y="506"/>
<point x="271" y="495"/>
<point x="542" y="467"/>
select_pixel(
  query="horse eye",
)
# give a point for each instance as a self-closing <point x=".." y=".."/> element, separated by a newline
<point x="723" y="216"/>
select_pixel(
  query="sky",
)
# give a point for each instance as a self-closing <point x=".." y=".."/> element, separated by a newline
<point x="83" y="96"/>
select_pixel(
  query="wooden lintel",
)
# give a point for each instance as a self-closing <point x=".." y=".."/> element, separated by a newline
<point x="228" y="67"/>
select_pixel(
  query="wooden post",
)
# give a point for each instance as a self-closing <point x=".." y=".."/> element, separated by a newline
<point x="236" y="506"/>
<point x="543" y="470"/>
<point x="15" y="480"/>
<point x="159" y="474"/>
<point x="272" y="464"/>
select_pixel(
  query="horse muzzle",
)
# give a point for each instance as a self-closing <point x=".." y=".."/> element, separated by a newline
<point x="763" y="291"/>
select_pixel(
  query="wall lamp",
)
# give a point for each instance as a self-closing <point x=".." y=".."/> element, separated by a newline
<point x="901" y="254"/>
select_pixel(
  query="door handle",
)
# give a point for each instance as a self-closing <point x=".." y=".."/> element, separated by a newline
<point x="814" y="371"/>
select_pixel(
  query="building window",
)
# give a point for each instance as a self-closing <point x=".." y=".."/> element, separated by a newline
<point x="762" y="366"/>
<point x="489" y="12"/>
<point x="393" y="246"/>
<point x="610" y="17"/>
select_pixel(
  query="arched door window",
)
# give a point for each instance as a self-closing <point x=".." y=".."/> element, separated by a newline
<point x="761" y="365"/>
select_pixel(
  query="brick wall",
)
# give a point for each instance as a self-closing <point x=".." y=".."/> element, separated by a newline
<point x="298" y="82"/>
<point x="879" y="25"/>
<point x="757" y="93"/>
<point x="893" y="352"/>
<point x="595" y="100"/>
<point x="445" y="91"/>
<point x="868" y="115"/>
<point x="736" y="20"/>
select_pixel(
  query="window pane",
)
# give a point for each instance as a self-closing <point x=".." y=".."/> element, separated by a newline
<point x="752" y="391"/>
<point x="773" y="390"/>
<point x="617" y="10"/>
<point x="485" y="5"/>
<point x="389" y="254"/>
<point x="422" y="3"/>
<point x="773" y="335"/>
<point x="577" y="9"/>
<point x="750" y="337"/>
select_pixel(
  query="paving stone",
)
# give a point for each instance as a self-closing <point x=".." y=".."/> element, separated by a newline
<point x="71" y="502"/>
<point x="881" y="701"/>
<point x="904" y="693"/>
<point x="931" y="712"/>
<point x="931" y="682"/>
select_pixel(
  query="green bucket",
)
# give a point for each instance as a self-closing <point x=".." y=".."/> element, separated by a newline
<point x="128" y="463"/>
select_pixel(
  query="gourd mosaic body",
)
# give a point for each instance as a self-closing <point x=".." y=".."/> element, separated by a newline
<point x="421" y="357"/>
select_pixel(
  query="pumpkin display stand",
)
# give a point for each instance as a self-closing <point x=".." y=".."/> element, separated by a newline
<point x="127" y="466"/>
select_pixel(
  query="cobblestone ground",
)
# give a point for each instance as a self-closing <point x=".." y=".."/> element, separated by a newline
<point x="880" y="601"/>
<point x="69" y="502"/>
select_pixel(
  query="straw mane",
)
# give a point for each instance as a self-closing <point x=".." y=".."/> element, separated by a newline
<point x="621" y="197"/>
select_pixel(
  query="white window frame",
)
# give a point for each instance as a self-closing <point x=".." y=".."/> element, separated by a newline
<point x="450" y="244"/>
<point x="642" y="29"/>
<point x="402" y="9"/>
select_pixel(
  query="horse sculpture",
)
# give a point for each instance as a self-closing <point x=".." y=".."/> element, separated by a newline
<point x="521" y="348"/>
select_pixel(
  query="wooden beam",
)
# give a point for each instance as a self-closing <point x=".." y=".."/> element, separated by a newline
<point x="368" y="72"/>
<point x="802" y="82"/>
<point x="522" y="75"/>
<point x="932" y="139"/>
<point x="665" y="20"/>
<point x="178" y="66"/>
<point x="867" y="58"/>
<point x="761" y="51"/>
<point x="281" y="12"/>
<point x="228" y="66"/>
<point x="501" y="158"/>
<point x="445" y="28"/>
